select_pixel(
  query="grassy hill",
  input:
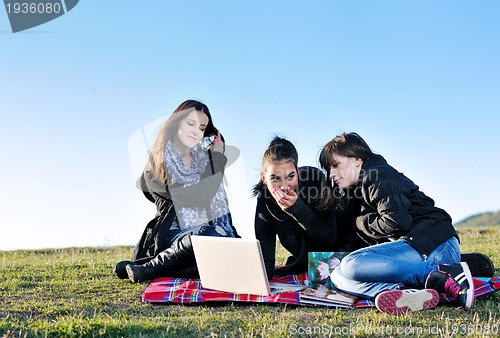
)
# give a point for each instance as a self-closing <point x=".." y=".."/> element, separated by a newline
<point x="483" y="219"/>
<point x="73" y="293"/>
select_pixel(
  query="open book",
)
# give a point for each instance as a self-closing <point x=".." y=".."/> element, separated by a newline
<point x="320" y="294"/>
<point x="321" y="265"/>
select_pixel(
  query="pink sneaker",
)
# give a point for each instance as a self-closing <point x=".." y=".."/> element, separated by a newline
<point x="455" y="280"/>
<point x="410" y="300"/>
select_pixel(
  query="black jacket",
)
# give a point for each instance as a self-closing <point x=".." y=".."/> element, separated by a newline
<point x="393" y="207"/>
<point x="152" y="241"/>
<point x="300" y="229"/>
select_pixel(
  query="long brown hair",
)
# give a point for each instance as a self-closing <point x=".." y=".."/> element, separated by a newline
<point x="156" y="160"/>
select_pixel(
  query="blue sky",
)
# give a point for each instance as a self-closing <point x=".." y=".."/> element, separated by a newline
<point x="419" y="80"/>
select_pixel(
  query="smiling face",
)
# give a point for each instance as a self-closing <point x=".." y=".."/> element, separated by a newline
<point x="345" y="170"/>
<point x="190" y="131"/>
<point x="282" y="175"/>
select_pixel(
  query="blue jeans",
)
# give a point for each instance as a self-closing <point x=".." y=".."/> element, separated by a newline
<point x="395" y="265"/>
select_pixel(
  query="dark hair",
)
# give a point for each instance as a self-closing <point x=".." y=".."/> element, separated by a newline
<point x="280" y="149"/>
<point x="156" y="160"/>
<point x="348" y="145"/>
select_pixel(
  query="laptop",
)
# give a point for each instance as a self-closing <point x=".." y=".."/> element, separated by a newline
<point x="235" y="265"/>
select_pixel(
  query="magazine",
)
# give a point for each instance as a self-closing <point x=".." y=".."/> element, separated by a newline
<point x="321" y="265"/>
<point x="320" y="294"/>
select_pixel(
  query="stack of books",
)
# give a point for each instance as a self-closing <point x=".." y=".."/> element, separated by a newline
<point x="322" y="295"/>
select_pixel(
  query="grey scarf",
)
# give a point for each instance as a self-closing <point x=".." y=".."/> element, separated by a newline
<point x="179" y="173"/>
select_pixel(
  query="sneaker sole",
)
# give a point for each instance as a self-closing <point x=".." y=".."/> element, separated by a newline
<point x="399" y="302"/>
<point x="470" y="291"/>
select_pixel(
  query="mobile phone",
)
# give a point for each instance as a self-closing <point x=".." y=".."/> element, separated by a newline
<point x="208" y="142"/>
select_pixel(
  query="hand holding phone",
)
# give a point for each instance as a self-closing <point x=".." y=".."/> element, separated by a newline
<point x="218" y="144"/>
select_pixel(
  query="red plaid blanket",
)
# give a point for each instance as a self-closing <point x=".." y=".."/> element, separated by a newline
<point x="184" y="290"/>
<point x="188" y="290"/>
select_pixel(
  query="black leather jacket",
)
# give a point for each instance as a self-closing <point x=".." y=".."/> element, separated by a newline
<point x="393" y="207"/>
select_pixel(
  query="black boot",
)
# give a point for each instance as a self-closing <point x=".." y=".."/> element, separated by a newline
<point x="178" y="255"/>
<point x="480" y="265"/>
<point x="120" y="270"/>
<point x="141" y="273"/>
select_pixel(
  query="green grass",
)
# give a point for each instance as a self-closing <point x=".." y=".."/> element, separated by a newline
<point x="73" y="293"/>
